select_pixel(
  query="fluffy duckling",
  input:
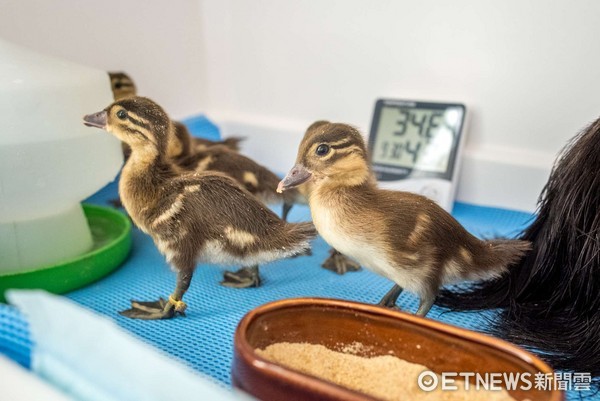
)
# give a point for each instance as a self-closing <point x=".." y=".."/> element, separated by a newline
<point x="182" y="145"/>
<point x="257" y="179"/>
<point x="202" y="217"/>
<point x="402" y="236"/>
<point x="123" y="86"/>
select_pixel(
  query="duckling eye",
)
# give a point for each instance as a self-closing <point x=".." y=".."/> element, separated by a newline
<point x="122" y="114"/>
<point x="322" y="150"/>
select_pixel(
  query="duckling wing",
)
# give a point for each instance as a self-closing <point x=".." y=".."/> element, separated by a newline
<point x="421" y="221"/>
<point x="218" y="198"/>
<point x="198" y="161"/>
<point x="218" y="209"/>
<point x="257" y="179"/>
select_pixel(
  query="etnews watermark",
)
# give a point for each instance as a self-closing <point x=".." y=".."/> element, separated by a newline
<point x="450" y="381"/>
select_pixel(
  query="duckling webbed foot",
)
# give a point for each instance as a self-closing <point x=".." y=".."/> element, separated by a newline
<point x="245" y="277"/>
<point x="149" y="306"/>
<point x="339" y="263"/>
<point x="390" y="298"/>
<point x="155" y="310"/>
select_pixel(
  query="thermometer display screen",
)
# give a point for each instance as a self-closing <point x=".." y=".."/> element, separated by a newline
<point x="415" y="138"/>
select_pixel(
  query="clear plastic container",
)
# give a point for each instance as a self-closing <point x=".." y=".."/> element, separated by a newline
<point x="49" y="161"/>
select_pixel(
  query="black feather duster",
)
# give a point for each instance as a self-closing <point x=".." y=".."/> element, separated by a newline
<point x="550" y="300"/>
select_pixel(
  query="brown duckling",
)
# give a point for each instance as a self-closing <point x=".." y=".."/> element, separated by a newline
<point x="123" y="86"/>
<point x="198" y="154"/>
<point x="257" y="179"/>
<point x="182" y="145"/>
<point x="201" y="217"/>
<point x="402" y="236"/>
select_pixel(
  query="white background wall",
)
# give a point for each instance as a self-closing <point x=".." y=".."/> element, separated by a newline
<point x="158" y="42"/>
<point x="527" y="70"/>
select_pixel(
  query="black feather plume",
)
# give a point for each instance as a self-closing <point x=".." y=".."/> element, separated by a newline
<point x="550" y="300"/>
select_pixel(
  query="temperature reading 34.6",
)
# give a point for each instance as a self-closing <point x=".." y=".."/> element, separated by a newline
<point x="424" y="123"/>
<point x="419" y="138"/>
<point x="415" y="146"/>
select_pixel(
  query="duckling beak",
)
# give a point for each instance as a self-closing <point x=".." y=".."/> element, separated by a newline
<point x="297" y="175"/>
<point x="97" y="120"/>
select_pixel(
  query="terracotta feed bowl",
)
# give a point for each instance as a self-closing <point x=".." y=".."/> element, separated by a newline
<point x="440" y="347"/>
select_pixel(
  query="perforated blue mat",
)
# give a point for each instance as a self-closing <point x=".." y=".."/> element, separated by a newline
<point x="204" y="339"/>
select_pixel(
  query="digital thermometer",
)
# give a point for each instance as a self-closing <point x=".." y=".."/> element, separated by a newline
<point x="416" y="146"/>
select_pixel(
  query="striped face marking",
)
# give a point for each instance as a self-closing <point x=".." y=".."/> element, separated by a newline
<point x="139" y="122"/>
<point x="335" y="151"/>
<point x="128" y="126"/>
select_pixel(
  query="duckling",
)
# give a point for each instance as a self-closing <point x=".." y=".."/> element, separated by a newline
<point x="402" y="236"/>
<point x="257" y="179"/>
<point x="123" y="86"/>
<point x="201" y="217"/>
<point x="182" y="145"/>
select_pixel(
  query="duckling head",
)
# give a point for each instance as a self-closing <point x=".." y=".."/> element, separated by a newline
<point x="122" y="85"/>
<point x="329" y="153"/>
<point x="137" y="121"/>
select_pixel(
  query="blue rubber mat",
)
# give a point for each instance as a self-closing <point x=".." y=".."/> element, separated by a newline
<point x="204" y="339"/>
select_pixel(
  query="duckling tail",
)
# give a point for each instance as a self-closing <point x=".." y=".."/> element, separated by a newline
<point x="299" y="235"/>
<point x="233" y="142"/>
<point x="507" y="251"/>
<point x="496" y="257"/>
